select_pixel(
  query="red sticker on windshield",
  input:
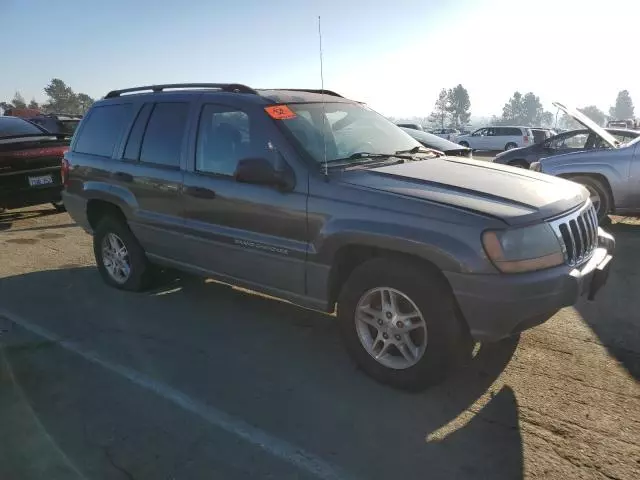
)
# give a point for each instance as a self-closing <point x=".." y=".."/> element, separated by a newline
<point x="280" y="112"/>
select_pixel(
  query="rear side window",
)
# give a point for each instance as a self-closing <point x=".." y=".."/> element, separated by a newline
<point x="102" y="129"/>
<point x="162" y="141"/>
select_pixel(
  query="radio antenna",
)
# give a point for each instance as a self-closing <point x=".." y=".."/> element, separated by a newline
<point x="324" y="110"/>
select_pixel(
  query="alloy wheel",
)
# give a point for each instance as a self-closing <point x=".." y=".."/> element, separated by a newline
<point x="115" y="258"/>
<point x="391" y="328"/>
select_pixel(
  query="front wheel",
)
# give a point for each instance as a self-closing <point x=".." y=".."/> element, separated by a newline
<point x="598" y="193"/>
<point x="399" y="323"/>
<point x="464" y="144"/>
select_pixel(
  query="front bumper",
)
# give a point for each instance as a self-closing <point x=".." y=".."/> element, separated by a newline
<point x="497" y="306"/>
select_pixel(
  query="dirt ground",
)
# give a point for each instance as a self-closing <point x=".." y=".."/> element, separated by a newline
<point x="199" y="380"/>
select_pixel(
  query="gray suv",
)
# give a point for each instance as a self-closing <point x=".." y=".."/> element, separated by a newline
<point x="316" y="199"/>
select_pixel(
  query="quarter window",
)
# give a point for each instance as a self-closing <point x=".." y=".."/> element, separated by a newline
<point x="102" y="129"/>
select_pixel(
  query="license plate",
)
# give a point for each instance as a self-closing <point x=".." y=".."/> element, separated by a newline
<point x="41" y="180"/>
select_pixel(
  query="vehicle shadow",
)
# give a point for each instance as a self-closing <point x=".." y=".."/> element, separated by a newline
<point x="7" y="217"/>
<point x="615" y="314"/>
<point x="281" y="368"/>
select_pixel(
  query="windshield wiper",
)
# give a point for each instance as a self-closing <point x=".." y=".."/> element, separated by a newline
<point x="368" y="158"/>
<point x="421" y="149"/>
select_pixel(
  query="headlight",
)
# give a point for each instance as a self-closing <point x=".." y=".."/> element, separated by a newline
<point x="535" y="166"/>
<point x="523" y="249"/>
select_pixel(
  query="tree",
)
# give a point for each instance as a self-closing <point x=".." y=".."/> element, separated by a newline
<point x="5" y="106"/>
<point x="33" y="104"/>
<point x="18" y="101"/>
<point x="523" y="110"/>
<point x="595" y="114"/>
<point x="623" y="109"/>
<point x="84" y="101"/>
<point x="532" y="110"/>
<point x="548" y="119"/>
<point x="459" y="106"/>
<point x="440" y="114"/>
<point x="61" y="97"/>
<point x="512" y="111"/>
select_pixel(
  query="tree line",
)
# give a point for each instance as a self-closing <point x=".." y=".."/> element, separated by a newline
<point x="60" y="99"/>
<point x="452" y="109"/>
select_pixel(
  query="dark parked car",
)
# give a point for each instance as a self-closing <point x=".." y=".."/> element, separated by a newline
<point x="430" y="140"/>
<point x="611" y="173"/>
<point x="319" y="200"/>
<point x="566" y="142"/>
<point x="57" y="123"/>
<point x="30" y="160"/>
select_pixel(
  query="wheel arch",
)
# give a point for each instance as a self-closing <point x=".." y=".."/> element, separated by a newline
<point x="596" y="176"/>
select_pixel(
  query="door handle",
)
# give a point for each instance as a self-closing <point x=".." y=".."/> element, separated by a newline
<point x="123" y="177"/>
<point x="199" y="192"/>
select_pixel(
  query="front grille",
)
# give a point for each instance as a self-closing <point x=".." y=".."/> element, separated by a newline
<point x="578" y="234"/>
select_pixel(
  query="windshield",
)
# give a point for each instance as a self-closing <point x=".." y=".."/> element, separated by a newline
<point x="12" y="126"/>
<point x="348" y="129"/>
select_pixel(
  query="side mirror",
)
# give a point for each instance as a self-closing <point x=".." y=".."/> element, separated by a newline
<point x="260" y="171"/>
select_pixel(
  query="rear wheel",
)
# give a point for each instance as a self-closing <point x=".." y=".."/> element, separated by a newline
<point x="598" y="193"/>
<point x="399" y="323"/>
<point x="519" y="164"/>
<point x="510" y="146"/>
<point x="120" y="258"/>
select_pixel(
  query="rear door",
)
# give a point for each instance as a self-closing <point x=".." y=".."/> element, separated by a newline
<point x="149" y="174"/>
<point x="256" y="234"/>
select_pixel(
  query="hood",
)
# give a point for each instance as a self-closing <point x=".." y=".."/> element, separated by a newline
<point x="514" y="195"/>
<point x="588" y="123"/>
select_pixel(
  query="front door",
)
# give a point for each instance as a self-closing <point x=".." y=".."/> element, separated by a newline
<point x="478" y="140"/>
<point x="253" y="233"/>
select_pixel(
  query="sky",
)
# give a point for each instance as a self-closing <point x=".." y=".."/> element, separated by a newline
<point x="395" y="55"/>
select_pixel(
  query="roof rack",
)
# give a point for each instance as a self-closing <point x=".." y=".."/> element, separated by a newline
<point x="225" y="87"/>
<point x="310" y="90"/>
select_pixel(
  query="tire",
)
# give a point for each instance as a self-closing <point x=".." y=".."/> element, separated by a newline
<point x="59" y="206"/>
<point x="446" y="337"/>
<point x="597" y="190"/>
<point x="139" y="274"/>
<point x="464" y="144"/>
<point x="510" y="145"/>
<point x="520" y="164"/>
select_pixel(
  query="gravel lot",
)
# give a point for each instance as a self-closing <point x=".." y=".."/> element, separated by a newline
<point x="199" y="380"/>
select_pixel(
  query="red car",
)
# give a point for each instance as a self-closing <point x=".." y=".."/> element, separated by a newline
<point x="30" y="164"/>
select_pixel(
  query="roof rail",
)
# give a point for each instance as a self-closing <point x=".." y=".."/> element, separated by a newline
<point x="226" y="87"/>
<point x="310" y="90"/>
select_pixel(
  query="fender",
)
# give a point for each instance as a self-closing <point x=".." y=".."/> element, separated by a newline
<point x="445" y="251"/>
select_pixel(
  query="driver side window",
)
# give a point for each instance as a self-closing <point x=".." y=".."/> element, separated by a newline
<point x="478" y="133"/>
<point x="225" y="137"/>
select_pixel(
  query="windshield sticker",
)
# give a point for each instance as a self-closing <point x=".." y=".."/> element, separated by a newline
<point x="280" y="112"/>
